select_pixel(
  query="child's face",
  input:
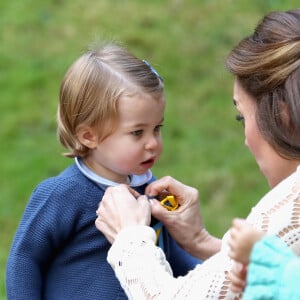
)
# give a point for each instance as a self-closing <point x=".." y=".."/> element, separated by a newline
<point x="136" y="143"/>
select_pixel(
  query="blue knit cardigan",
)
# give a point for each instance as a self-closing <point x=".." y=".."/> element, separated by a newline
<point x="58" y="253"/>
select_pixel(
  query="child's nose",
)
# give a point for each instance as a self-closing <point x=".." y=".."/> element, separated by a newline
<point x="152" y="143"/>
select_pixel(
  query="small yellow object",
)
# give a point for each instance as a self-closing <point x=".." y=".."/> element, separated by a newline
<point x="169" y="202"/>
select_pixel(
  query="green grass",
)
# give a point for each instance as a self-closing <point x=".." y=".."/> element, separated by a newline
<point x="186" y="41"/>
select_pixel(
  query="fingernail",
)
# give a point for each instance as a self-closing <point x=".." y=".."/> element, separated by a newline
<point x="149" y="198"/>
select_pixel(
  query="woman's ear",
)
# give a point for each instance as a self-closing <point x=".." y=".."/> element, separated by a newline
<point x="87" y="136"/>
<point x="284" y="114"/>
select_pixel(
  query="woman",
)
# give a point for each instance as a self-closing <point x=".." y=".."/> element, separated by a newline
<point x="266" y="66"/>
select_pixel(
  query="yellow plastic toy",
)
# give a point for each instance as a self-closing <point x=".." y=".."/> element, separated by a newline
<point x="169" y="202"/>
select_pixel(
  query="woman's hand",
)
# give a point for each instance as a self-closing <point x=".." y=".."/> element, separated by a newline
<point x="185" y="223"/>
<point x="121" y="207"/>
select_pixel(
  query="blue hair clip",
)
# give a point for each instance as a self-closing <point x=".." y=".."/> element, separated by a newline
<point x="153" y="70"/>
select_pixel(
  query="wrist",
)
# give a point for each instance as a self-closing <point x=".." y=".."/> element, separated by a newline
<point x="203" y="245"/>
<point x="136" y="233"/>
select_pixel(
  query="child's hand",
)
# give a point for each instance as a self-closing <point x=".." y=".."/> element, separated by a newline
<point x="237" y="277"/>
<point x="241" y="240"/>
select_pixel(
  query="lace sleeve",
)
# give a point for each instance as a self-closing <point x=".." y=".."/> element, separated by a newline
<point x="277" y="213"/>
<point x="135" y="246"/>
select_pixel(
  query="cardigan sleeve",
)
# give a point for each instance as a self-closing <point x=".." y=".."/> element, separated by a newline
<point x="153" y="278"/>
<point x="43" y="228"/>
<point x="144" y="273"/>
<point x="273" y="272"/>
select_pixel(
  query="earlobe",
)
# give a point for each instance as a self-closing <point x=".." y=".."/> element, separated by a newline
<point x="87" y="137"/>
<point x="284" y="114"/>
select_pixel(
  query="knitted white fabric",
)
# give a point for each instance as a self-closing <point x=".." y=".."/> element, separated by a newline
<point x="144" y="273"/>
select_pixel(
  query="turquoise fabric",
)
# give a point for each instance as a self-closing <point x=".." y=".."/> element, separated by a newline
<point x="273" y="272"/>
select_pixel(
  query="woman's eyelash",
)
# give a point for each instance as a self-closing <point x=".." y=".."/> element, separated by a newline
<point x="239" y="118"/>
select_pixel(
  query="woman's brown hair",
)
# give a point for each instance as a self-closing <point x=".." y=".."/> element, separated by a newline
<point x="267" y="65"/>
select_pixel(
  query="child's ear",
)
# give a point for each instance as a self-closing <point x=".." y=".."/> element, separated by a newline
<point x="87" y="136"/>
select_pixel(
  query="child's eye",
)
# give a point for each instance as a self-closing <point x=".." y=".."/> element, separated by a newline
<point x="240" y="118"/>
<point x="137" y="132"/>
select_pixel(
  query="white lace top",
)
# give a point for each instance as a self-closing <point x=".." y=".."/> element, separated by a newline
<point x="144" y="273"/>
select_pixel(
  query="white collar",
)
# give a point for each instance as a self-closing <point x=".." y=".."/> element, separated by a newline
<point x="135" y="180"/>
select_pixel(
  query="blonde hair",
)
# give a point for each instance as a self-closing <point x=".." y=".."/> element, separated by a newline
<point x="267" y="65"/>
<point x="91" y="88"/>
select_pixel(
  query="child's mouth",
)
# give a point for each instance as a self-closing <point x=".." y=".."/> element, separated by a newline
<point x="148" y="162"/>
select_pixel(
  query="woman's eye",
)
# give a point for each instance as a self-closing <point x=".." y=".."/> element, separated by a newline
<point x="158" y="128"/>
<point x="240" y="118"/>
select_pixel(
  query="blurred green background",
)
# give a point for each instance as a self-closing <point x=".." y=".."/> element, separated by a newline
<point x="186" y="41"/>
